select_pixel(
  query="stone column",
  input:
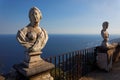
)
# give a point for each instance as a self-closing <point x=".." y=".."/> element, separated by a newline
<point x="34" y="67"/>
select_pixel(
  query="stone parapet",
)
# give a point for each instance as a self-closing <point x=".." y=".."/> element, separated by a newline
<point x="41" y="70"/>
<point x="41" y="67"/>
<point x="106" y="56"/>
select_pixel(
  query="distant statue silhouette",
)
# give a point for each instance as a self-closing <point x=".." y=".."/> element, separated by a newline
<point x="105" y="36"/>
<point x="33" y="37"/>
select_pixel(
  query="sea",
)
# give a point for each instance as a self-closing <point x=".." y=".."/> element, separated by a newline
<point x="11" y="52"/>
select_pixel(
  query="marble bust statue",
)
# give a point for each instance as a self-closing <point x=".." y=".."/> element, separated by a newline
<point x="33" y="37"/>
<point x="104" y="34"/>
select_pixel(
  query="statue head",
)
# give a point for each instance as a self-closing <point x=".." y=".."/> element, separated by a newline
<point x="35" y="15"/>
<point x="105" y="25"/>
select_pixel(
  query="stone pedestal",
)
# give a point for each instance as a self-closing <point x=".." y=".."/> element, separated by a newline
<point x="34" y="67"/>
<point x="104" y="58"/>
<point x="2" y="78"/>
<point x="32" y="59"/>
<point x="42" y="76"/>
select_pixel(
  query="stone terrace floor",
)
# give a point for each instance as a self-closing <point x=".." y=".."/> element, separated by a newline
<point x="102" y="75"/>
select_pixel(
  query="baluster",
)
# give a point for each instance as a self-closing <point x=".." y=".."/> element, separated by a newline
<point x="59" y="69"/>
<point x="66" y="66"/>
<point x="55" y="66"/>
<point x="63" y="66"/>
<point x="72" y="71"/>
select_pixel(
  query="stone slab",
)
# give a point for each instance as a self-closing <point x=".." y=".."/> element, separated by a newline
<point x="2" y="78"/>
<point x="42" y="66"/>
<point x="43" y="76"/>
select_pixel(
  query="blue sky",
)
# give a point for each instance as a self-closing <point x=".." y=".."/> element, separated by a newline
<point x="62" y="16"/>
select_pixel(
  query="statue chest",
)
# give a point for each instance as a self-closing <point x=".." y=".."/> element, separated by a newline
<point x="32" y="34"/>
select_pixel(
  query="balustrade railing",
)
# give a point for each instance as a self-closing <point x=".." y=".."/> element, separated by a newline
<point x="73" y="65"/>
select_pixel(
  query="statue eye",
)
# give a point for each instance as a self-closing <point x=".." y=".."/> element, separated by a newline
<point x="35" y="13"/>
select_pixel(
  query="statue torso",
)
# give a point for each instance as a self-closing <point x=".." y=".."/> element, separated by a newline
<point x="32" y="33"/>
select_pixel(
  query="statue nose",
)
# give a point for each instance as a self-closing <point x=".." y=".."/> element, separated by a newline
<point x="36" y="18"/>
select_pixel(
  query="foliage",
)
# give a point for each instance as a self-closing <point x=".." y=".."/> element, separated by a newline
<point x="57" y="73"/>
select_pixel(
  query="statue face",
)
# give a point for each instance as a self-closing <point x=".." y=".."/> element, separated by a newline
<point x="34" y="16"/>
<point x="105" y="25"/>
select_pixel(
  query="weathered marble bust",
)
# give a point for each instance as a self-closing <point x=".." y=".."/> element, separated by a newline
<point x="104" y="34"/>
<point x="33" y="37"/>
